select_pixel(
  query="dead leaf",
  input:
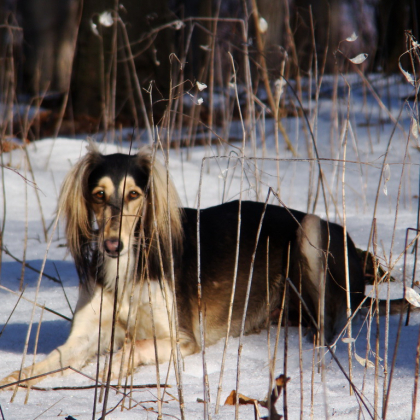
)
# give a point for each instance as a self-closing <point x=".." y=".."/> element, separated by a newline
<point x="414" y="128"/>
<point x="231" y="399"/>
<point x="364" y="362"/>
<point x="280" y="382"/>
<point x="409" y="77"/>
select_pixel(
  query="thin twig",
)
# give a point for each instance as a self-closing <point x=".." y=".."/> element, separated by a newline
<point x="300" y="350"/>
<point x="35" y="303"/>
<point x="85" y="387"/>
<point x="25" y="239"/>
<point x="35" y="351"/>
<point x="386" y="401"/>
<point x="63" y="289"/>
<point x="115" y="303"/>
<point x="49" y="408"/>
<point x="247" y="294"/>
<point x="7" y="252"/>
<point x="346" y="256"/>
<point x="13" y="310"/>
<point x="377" y="335"/>
<point x="238" y="235"/>
<point x="271" y="101"/>
<point x="136" y="80"/>
<point x="286" y="346"/>
<point x="315" y="324"/>
<point x="38" y="199"/>
<point x="38" y="286"/>
<point x="416" y="378"/>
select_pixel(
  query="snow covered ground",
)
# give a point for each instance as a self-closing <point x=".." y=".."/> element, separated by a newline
<point x="367" y="141"/>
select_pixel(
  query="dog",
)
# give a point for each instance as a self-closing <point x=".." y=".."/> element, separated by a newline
<point x="145" y="275"/>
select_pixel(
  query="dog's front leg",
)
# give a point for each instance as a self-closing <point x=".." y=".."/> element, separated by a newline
<point x="143" y="352"/>
<point x="82" y="343"/>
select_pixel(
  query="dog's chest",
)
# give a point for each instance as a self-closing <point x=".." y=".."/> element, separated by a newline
<point x="155" y="307"/>
<point x="120" y="269"/>
<point x="142" y="306"/>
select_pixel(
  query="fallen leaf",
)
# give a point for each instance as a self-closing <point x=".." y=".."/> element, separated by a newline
<point x="231" y="399"/>
<point x="280" y="382"/>
<point x="364" y="362"/>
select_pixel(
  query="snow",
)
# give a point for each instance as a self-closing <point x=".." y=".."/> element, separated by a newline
<point x="208" y="182"/>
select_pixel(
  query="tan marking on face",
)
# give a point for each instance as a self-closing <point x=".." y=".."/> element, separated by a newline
<point x="101" y="210"/>
<point x="108" y="220"/>
<point x="106" y="186"/>
<point x="130" y="189"/>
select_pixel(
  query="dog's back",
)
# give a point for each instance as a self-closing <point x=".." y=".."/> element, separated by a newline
<point x="289" y="243"/>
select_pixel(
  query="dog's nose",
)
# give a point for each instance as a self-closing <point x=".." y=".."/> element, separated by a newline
<point x="113" y="246"/>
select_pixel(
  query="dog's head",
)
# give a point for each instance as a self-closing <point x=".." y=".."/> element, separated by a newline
<point x="115" y="191"/>
<point x="113" y="203"/>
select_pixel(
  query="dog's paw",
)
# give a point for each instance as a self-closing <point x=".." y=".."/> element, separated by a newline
<point x="120" y="365"/>
<point x="9" y="382"/>
<point x="5" y="383"/>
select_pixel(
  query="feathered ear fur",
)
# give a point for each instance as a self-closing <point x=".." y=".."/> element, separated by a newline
<point x="72" y="204"/>
<point x="163" y="214"/>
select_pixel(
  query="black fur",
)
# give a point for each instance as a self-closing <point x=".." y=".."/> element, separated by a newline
<point x="218" y="233"/>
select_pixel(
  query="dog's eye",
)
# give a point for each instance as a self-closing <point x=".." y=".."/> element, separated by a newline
<point x="99" y="195"/>
<point x="132" y="195"/>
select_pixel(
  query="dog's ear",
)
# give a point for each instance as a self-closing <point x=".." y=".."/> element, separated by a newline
<point x="72" y="205"/>
<point x="163" y="211"/>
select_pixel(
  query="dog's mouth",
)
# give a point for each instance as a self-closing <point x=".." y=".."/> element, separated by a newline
<point x="113" y="255"/>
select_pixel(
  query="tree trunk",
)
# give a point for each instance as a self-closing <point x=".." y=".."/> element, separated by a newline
<point x="100" y="86"/>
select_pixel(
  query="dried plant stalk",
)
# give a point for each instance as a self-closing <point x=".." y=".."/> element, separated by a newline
<point x="346" y="257"/>
<point x="235" y="275"/>
<point x="38" y="285"/>
<point x="35" y="351"/>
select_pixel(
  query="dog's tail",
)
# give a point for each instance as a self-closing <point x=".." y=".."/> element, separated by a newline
<point x="320" y="252"/>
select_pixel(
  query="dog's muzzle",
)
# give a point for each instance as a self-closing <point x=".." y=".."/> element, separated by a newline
<point x="113" y="247"/>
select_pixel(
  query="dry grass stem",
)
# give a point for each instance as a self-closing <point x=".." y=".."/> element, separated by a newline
<point x="38" y="285"/>
<point x="25" y="239"/>
<point x="35" y="351"/>
<point x="346" y="259"/>
<point x="35" y="303"/>
<point x="7" y="252"/>
<point x="13" y="310"/>
<point x="44" y="226"/>
<point x="360" y="398"/>
<point x="232" y="111"/>
<point x="274" y="106"/>
<point x="416" y="378"/>
<point x="232" y="294"/>
<point x="388" y="382"/>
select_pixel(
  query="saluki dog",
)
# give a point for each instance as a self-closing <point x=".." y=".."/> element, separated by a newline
<point x="162" y="265"/>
